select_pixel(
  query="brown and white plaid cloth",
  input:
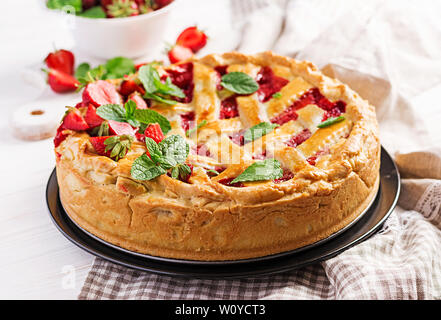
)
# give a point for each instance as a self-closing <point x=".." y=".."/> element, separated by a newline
<point x="403" y="259"/>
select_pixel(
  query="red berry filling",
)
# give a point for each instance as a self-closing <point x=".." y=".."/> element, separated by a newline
<point x="312" y="96"/>
<point x="229" y="108"/>
<point x="221" y="70"/>
<point x="299" y="138"/>
<point x="269" y="83"/>
<point x="238" y="138"/>
<point x="261" y="156"/>
<point x="59" y="137"/>
<point x="182" y="76"/>
<point x="201" y="150"/>
<point x="187" y="120"/>
<point x="287" y="175"/>
<point x="227" y="182"/>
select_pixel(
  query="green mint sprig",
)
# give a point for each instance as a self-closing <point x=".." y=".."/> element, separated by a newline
<point x="330" y="121"/>
<point x="96" y="12"/>
<point x="63" y="4"/>
<point x="135" y="117"/>
<point x="114" y="68"/>
<point x="259" y="130"/>
<point x="155" y="88"/>
<point x="189" y="132"/>
<point x="268" y="169"/>
<point x="239" y="82"/>
<point x="170" y="153"/>
<point x="118" y="146"/>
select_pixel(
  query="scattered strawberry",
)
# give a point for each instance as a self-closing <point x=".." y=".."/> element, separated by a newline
<point x="154" y="131"/>
<point x="61" y="82"/>
<point x="120" y="128"/>
<point x="100" y="147"/>
<point x="179" y="53"/>
<point x="59" y="137"/>
<point x="92" y="119"/>
<point x="73" y="120"/>
<point x="192" y="38"/>
<point x="163" y="3"/>
<point x="61" y="60"/>
<point x="101" y="92"/>
<point x="87" y="4"/>
<point x="140" y="102"/>
<point x="129" y="86"/>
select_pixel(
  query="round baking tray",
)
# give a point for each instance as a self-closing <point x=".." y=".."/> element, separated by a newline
<point x="366" y="225"/>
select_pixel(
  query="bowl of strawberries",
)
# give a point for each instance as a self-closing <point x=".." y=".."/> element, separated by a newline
<point x="109" y="28"/>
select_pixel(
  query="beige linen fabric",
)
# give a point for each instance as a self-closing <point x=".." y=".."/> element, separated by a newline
<point x="389" y="52"/>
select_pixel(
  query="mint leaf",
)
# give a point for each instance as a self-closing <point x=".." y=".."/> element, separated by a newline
<point x="159" y="99"/>
<point x="154" y="87"/>
<point x="268" y="169"/>
<point x="174" y="148"/>
<point x="200" y="125"/>
<point x="96" y="12"/>
<point x="277" y="95"/>
<point x="112" y="112"/>
<point x="143" y="168"/>
<point x="259" y="130"/>
<point x="147" y="116"/>
<point x="330" y="121"/>
<point x="153" y="149"/>
<point x="239" y="82"/>
<point x="81" y="71"/>
<point x="62" y="5"/>
<point x="147" y="75"/>
<point x="118" y="67"/>
<point x="130" y="107"/>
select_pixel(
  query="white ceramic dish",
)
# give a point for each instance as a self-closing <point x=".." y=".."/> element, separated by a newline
<point x="130" y="37"/>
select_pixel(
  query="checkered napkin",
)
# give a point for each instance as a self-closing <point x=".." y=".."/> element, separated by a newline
<point x="402" y="260"/>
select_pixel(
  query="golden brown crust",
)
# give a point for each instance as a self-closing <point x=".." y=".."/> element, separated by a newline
<point x="206" y="220"/>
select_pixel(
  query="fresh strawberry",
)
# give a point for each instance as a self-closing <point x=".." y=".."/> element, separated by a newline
<point x="61" y="60"/>
<point x="59" y="137"/>
<point x="87" y="4"/>
<point x="140" y="102"/>
<point x="154" y="131"/>
<point x="100" y="147"/>
<point x="139" y="65"/>
<point x="101" y="92"/>
<point x="163" y="3"/>
<point x="129" y="86"/>
<point x="61" y="82"/>
<point x="192" y="38"/>
<point x="179" y="53"/>
<point x="120" y="128"/>
<point x="92" y="119"/>
<point x="73" y="120"/>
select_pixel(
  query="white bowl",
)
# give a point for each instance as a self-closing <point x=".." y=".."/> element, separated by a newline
<point x="131" y="37"/>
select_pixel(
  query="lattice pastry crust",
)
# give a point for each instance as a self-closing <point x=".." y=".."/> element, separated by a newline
<point x="332" y="175"/>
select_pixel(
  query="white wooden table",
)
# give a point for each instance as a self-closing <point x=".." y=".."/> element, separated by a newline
<point x="36" y="261"/>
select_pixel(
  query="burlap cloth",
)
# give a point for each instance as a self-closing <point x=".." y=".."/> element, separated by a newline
<point x="388" y="51"/>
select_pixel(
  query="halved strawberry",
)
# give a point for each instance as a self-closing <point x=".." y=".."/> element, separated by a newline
<point x="101" y="92"/>
<point x="73" y="120"/>
<point x="179" y="53"/>
<point x="192" y="38"/>
<point x="61" y="82"/>
<point x="100" y="147"/>
<point x="61" y="60"/>
<point x="92" y="119"/>
<point x="129" y="86"/>
<point x="140" y="102"/>
<point x="154" y="131"/>
<point x="120" y="128"/>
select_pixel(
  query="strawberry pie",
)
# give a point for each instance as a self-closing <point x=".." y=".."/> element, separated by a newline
<point x="225" y="157"/>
